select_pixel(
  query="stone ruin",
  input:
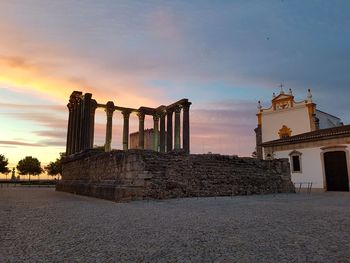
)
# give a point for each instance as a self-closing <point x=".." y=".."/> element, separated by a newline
<point x="81" y="122"/>
<point x="165" y="172"/>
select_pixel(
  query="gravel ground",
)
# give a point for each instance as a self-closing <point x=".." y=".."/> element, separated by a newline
<point x="42" y="225"/>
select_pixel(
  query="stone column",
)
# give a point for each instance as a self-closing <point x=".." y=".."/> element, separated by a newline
<point x="186" y="127"/>
<point x="141" y="116"/>
<point x="126" y="115"/>
<point x="86" y="128"/>
<point x="109" y="111"/>
<point x="177" y="128"/>
<point x="162" y="132"/>
<point x="77" y="122"/>
<point x="155" y="132"/>
<point x="81" y="127"/>
<point x="92" y="123"/>
<point x="169" y="130"/>
<point x="74" y="127"/>
<point x="69" y="129"/>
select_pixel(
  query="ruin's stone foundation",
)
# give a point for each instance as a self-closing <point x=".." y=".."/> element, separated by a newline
<point x="142" y="174"/>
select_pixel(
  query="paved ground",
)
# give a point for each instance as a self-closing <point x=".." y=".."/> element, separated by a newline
<point x="41" y="225"/>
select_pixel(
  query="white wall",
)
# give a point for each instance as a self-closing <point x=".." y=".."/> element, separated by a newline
<point x="311" y="166"/>
<point x="327" y="120"/>
<point x="297" y="119"/>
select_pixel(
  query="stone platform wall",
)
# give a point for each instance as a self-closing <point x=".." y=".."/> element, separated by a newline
<point x="142" y="174"/>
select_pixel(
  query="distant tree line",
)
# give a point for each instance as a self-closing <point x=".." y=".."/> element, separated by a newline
<point x="31" y="166"/>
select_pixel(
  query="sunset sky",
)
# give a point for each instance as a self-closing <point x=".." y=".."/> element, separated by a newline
<point x="223" y="56"/>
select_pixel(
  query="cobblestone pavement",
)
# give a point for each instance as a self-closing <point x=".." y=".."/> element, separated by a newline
<point x="42" y="225"/>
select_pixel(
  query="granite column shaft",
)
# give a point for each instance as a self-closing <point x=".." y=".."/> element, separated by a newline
<point x="169" y="130"/>
<point x="126" y="115"/>
<point x="155" y="132"/>
<point x="186" y="127"/>
<point x="109" y="111"/>
<point x="141" y="142"/>
<point x="177" y="129"/>
<point x="162" y="132"/>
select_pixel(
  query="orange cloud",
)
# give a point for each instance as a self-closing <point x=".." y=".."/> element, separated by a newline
<point x="54" y="72"/>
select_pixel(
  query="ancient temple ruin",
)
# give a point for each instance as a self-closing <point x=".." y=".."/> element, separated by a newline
<point x="136" y="174"/>
<point x="81" y="122"/>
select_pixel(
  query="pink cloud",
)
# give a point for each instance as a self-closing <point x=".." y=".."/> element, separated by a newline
<point x="19" y="143"/>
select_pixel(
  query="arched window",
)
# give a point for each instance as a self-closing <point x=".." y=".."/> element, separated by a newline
<point x="295" y="161"/>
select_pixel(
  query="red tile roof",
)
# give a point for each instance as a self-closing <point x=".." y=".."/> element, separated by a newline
<point x="321" y="134"/>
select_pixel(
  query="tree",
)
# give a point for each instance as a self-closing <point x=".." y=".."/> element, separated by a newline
<point x="3" y="165"/>
<point x="55" y="168"/>
<point x="30" y="166"/>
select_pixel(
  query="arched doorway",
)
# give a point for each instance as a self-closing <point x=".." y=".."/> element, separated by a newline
<point x="336" y="171"/>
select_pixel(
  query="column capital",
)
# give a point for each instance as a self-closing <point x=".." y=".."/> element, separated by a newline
<point x="141" y="115"/>
<point x="156" y="117"/>
<point x="109" y="108"/>
<point x="75" y="100"/>
<point x="186" y="105"/>
<point x="178" y="109"/>
<point x="76" y="97"/>
<point x="162" y="113"/>
<point x="126" y="114"/>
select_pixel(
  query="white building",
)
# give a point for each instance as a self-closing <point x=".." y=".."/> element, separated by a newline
<point x="316" y="143"/>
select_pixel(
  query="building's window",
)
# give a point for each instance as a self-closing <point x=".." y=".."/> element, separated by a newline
<point x="269" y="156"/>
<point x="296" y="163"/>
<point x="295" y="160"/>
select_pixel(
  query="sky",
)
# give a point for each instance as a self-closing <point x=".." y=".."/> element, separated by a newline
<point x="223" y="56"/>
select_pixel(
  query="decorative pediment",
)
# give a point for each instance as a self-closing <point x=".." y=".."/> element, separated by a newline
<point x="283" y="96"/>
<point x="283" y="101"/>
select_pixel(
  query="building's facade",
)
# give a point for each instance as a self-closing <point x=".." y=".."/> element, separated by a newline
<point x="316" y="143"/>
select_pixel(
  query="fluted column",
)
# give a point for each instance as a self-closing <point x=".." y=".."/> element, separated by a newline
<point x="109" y="111"/>
<point x="169" y="131"/>
<point x="74" y="127"/>
<point x="126" y="115"/>
<point x="177" y="128"/>
<point x="69" y="129"/>
<point x="77" y="122"/>
<point x="162" y="132"/>
<point x="81" y="123"/>
<point x="186" y="127"/>
<point x="141" y="116"/>
<point x="92" y="123"/>
<point x="86" y="128"/>
<point x="155" y="132"/>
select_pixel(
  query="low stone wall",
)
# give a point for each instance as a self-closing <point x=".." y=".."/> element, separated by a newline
<point x="142" y="174"/>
